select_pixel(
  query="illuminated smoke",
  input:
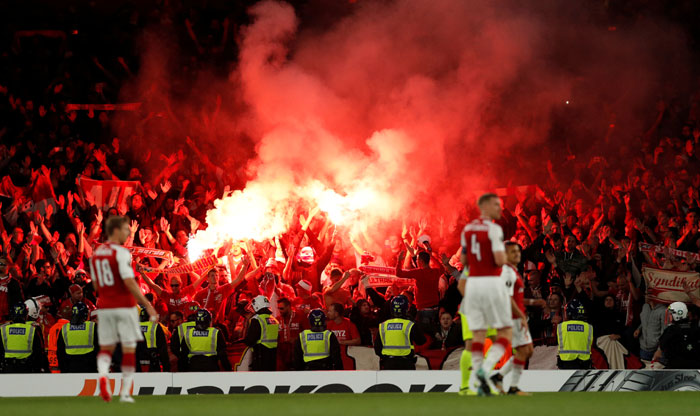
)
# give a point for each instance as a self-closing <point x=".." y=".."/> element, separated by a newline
<point x="405" y="108"/>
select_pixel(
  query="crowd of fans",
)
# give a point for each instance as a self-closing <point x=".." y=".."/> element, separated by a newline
<point x="579" y="230"/>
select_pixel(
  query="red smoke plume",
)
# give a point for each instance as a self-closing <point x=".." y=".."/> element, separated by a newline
<point x="400" y="108"/>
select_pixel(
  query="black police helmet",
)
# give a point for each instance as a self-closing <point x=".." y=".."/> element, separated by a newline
<point x="575" y="309"/>
<point x="143" y="315"/>
<point x="202" y="319"/>
<point x="399" y="306"/>
<point x="19" y="312"/>
<point x="317" y="320"/>
<point x="80" y="313"/>
<point x="191" y="311"/>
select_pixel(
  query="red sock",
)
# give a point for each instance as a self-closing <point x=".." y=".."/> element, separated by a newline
<point x="128" y="361"/>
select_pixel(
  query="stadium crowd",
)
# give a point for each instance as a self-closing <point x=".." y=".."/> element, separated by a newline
<point x="579" y="229"/>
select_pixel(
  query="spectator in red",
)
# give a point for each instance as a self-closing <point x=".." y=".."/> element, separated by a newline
<point x="306" y="300"/>
<point x="336" y="293"/>
<point x="177" y="297"/>
<point x="291" y="324"/>
<point x="272" y="271"/>
<point x="14" y="248"/>
<point x="65" y="311"/>
<point x="81" y="278"/>
<point x="342" y="327"/>
<point x="214" y="297"/>
<point x="427" y="288"/>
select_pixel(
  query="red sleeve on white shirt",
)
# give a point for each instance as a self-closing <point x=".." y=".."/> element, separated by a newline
<point x="126" y="271"/>
<point x="496" y="237"/>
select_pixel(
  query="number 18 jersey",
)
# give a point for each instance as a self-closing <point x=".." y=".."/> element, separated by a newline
<point x="480" y="239"/>
<point x="109" y="266"/>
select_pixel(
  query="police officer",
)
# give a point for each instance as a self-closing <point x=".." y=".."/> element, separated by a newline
<point x="152" y="353"/>
<point x="204" y="346"/>
<point x="262" y="336"/>
<point x="397" y="337"/>
<point x="178" y="336"/>
<point x="575" y="338"/>
<point x="76" y="342"/>
<point x="317" y="348"/>
<point x="22" y="349"/>
<point x="680" y="341"/>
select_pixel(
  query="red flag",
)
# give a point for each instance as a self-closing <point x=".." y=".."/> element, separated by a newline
<point x="108" y="194"/>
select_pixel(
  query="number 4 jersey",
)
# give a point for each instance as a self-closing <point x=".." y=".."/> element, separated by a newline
<point x="480" y="239"/>
<point x="109" y="266"/>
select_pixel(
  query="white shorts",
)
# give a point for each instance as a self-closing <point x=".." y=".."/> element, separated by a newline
<point x="521" y="336"/>
<point x="116" y="325"/>
<point x="486" y="303"/>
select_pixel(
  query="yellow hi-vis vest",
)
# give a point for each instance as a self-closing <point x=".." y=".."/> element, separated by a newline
<point x="201" y="342"/>
<point x="182" y="329"/>
<point x="79" y="339"/>
<point x="18" y="340"/>
<point x="148" y="329"/>
<point x="396" y="337"/>
<point x="575" y="340"/>
<point x="315" y="345"/>
<point x="269" y="328"/>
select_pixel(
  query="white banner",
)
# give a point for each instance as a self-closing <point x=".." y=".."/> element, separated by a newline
<point x="45" y="385"/>
<point x="667" y="286"/>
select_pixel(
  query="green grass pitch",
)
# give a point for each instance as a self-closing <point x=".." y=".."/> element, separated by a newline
<point x="394" y="404"/>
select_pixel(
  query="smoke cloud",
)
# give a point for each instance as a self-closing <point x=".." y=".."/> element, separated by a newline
<point x="400" y="108"/>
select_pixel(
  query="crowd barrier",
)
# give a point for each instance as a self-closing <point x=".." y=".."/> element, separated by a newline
<point x="364" y="358"/>
<point x="43" y="385"/>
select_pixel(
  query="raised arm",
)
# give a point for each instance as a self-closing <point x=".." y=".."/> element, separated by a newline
<point x="102" y="159"/>
<point x="133" y="227"/>
<point x="240" y="277"/>
<point x="523" y="222"/>
<point x="154" y="287"/>
<point x="249" y="255"/>
<point x="399" y="264"/>
<point x="445" y="261"/>
<point x="165" y="228"/>
<point x="688" y="230"/>
<point x="337" y="285"/>
<point x="287" y="272"/>
<point x="598" y="222"/>
<point x="95" y="227"/>
<point x="193" y="36"/>
<point x="80" y="232"/>
<point x="197" y="283"/>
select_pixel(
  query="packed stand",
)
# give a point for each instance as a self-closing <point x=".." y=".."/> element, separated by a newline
<point x="579" y="231"/>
